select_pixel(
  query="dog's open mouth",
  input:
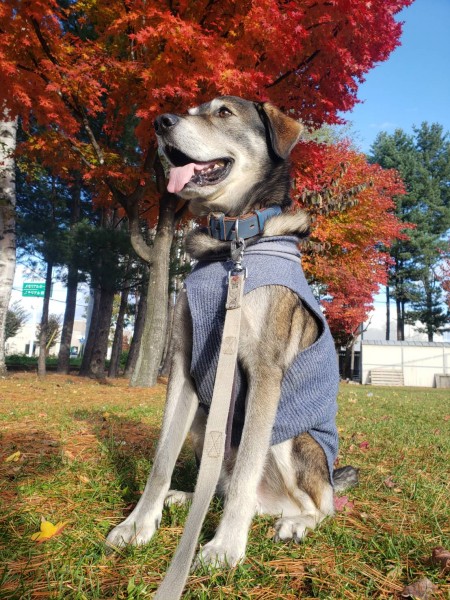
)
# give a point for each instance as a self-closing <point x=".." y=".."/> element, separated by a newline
<point x="185" y="170"/>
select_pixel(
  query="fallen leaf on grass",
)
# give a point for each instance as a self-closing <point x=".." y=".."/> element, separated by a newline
<point x="395" y="573"/>
<point x="343" y="504"/>
<point x="83" y="478"/>
<point x="364" y="445"/>
<point x="421" y="589"/>
<point x="441" y="557"/>
<point x="48" y="530"/>
<point x="389" y="482"/>
<point x="447" y="418"/>
<point x="13" y="457"/>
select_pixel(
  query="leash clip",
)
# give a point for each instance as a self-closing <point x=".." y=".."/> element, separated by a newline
<point x="237" y="254"/>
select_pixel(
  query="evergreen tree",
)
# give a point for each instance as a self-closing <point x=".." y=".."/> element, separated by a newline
<point x="423" y="160"/>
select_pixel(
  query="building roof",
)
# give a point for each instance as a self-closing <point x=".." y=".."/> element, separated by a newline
<point x="405" y="343"/>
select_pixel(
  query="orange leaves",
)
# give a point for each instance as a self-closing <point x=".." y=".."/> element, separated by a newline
<point x="95" y="74"/>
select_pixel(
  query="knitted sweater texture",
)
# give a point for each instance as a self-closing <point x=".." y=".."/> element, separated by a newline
<point x="310" y="385"/>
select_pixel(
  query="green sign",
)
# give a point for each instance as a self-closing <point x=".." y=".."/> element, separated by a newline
<point x="33" y="289"/>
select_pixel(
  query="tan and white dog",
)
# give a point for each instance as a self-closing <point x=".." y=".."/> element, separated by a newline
<point x="230" y="159"/>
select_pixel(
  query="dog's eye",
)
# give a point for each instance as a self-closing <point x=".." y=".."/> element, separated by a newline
<point x="224" y="112"/>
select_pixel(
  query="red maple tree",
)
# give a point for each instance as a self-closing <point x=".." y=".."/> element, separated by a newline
<point x="354" y="224"/>
<point x="93" y="76"/>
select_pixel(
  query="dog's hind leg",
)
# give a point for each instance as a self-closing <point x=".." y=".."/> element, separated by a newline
<point x="181" y="405"/>
<point x="302" y="465"/>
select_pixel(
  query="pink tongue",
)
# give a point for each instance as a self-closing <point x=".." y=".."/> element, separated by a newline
<point x="179" y="176"/>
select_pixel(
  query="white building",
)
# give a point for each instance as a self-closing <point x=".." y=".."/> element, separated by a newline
<point x="25" y="342"/>
<point x="410" y="363"/>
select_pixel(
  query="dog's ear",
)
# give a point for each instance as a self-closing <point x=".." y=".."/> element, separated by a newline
<point x="284" y="132"/>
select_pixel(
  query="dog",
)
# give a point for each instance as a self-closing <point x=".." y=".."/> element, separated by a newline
<point x="230" y="159"/>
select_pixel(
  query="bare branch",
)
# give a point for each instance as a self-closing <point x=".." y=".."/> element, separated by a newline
<point x="305" y="63"/>
<point x="95" y="144"/>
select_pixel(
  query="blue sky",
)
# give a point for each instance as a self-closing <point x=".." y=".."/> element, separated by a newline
<point x="413" y="85"/>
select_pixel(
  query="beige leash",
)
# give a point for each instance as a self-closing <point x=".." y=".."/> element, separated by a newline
<point x="213" y="450"/>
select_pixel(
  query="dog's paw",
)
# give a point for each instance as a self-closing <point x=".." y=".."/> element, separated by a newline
<point x="214" y="555"/>
<point x="132" y="533"/>
<point x="293" y="528"/>
<point x="179" y="498"/>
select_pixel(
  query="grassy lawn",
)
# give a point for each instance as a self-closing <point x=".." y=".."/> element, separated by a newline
<point x="84" y="456"/>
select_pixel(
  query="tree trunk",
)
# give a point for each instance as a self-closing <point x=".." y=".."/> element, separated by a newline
<point x="90" y="334"/>
<point x="138" y="330"/>
<point x="44" y="321"/>
<point x="346" y="367"/>
<point x="93" y="364"/>
<point x="388" y="313"/>
<point x="116" y="351"/>
<point x="72" y="288"/>
<point x="429" y="301"/>
<point x="69" y="318"/>
<point x="400" y="320"/>
<point x="8" y="137"/>
<point x="154" y="336"/>
<point x="100" y="349"/>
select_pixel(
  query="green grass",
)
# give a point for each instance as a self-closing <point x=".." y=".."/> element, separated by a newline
<point x="85" y="453"/>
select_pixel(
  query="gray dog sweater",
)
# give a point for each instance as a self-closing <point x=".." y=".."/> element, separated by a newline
<point x="310" y="385"/>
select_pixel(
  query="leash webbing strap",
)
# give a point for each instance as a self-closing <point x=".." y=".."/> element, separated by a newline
<point x="214" y="446"/>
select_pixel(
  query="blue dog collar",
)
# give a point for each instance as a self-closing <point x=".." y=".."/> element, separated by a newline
<point x="246" y="226"/>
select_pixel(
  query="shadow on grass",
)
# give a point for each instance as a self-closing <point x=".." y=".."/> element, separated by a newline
<point x="131" y="446"/>
<point x="38" y="454"/>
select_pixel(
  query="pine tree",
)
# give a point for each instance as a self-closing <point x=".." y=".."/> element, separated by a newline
<point x="423" y="160"/>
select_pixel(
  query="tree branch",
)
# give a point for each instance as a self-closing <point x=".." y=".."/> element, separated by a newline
<point x="95" y="144"/>
<point x="141" y="248"/>
<point x="43" y="42"/>
<point x="76" y="149"/>
<point x="305" y="63"/>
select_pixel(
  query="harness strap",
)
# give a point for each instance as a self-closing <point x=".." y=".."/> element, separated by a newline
<point x="214" y="446"/>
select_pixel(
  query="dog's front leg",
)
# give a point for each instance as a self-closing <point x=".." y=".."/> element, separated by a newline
<point x="181" y="405"/>
<point x="228" y="545"/>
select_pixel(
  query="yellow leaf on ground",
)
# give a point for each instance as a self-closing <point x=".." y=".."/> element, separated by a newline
<point x="14" y="457"/>
<point x="48" y="530"/>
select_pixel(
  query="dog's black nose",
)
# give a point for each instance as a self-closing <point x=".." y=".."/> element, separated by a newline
<point x="165" y="122"/>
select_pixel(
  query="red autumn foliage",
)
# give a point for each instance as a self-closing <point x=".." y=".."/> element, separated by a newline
<point x="94" y="75"/>
<point x="353" y="264"/>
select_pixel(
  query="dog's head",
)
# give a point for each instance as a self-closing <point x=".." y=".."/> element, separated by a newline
<point x="223" y="152"/>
